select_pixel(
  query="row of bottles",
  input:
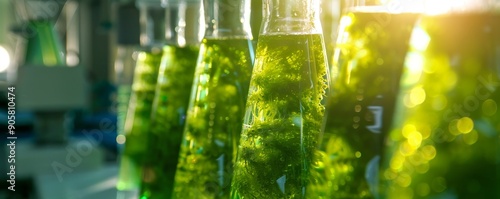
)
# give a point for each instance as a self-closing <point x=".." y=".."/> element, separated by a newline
<point x="171" y="98"/>
<point x="445" y="140"/>
<point x="136" y="123"/>
<point x="413" y="112"/>
<point x="409" y="108"/>
<point x="186" y="133"/>
<point x="217" y="102"/>
<point x="207" y="144"/>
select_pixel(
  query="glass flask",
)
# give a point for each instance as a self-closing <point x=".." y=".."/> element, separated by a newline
<point x="445" y="140"/>
<point x="124" y="73"/>
<point x="171" y="101"/>
<point x="43" y="43"/>
<point x="285" y="107"/>
<point x="137" y="121"/>
<point x="369" y="56"/>
<point x="124" y="67"/>
<point x="217" y="102"/>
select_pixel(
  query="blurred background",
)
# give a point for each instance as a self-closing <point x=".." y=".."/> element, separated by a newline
<point x="67" y="60"/>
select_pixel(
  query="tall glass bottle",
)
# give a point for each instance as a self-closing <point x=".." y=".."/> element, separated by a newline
<point x="285" y="107"/>
<point x="445" y="142"/>
<point x="173" y="89"/>
<point x="217" y="103"/>
<point x="369" y="56"/>
<point x="137" y="121"/>
<point x="124" y="66"/>
<point x="125" y="61"/>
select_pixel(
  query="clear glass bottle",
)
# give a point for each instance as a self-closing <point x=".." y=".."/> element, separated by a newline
<point x="137" y="121"/>
<point x="217" y="102"/>
<point x="369" y="55"/>
<point x="173" y="89"/>
<point x="124" y="72"/>
<point x="285" y="108"/>
<point x="445" y="142"/>
<point x="124" y="67"/>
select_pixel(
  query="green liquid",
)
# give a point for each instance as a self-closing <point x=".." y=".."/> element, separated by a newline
<point x="370" y="58"/>
<point x="214" y="119"/>
<point x="44" y="46"/>
<point x="446" y="140"/>
<point x="168" y="117"/>
<point x="137" y="121"/>
<point x="284" y="117"/>
<point x="123" y="99"/>
<point x="125" y="180"/>
<point x="124" y="77"/>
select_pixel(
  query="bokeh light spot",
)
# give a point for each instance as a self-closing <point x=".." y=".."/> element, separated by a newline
<point x="420" y="39"/>
<point x="423" y="189"/>
<point x="417" y="95"/>
<point x="415" y="139"/>
<point x="422" y="168"/>
<point x="407" y="129"/>
<point x="397" y="162"/>
<point x="453" y="127"/>
<point x="429" y="152"/>
<point x="425" y="130"/>
<point x="465" y="125"/>
<point x="404" y="180"/>
<point x="120" y="139"/>
<point x="489" y="107"/>
<point x="406" y="148"/>
<point x="439" y="102"/>
<point x="470" y="138"/>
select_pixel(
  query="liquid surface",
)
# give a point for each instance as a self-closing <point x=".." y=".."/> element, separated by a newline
<point x="446" y="140"/>
<point x="283" y="118"/>
<point x="168" y="116"/>
<point x="214" y="119"/>
<point x="369" y="57"/>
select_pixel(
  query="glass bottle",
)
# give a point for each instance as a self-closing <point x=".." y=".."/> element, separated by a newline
<point x="217" y="102"/>
<point x="445" y="142"/>
<point x="43" y="44"/>
<point x="137" y="121"/>
<point x="125" y="62"/>
<point x="173" y="89"/>
<point x="369" y="55"/>
<point x="285" y="108"/>
<point x="124" y="71"/>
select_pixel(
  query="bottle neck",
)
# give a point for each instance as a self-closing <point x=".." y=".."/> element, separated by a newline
<point x="227" y="18"/>
<point x="152" y="23"/>
<point x="184" y="23"/>
<point x="291" y="17"/>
